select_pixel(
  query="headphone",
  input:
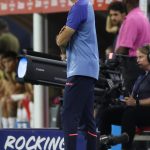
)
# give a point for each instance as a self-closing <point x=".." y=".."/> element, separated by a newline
<point x="148" y="54"/>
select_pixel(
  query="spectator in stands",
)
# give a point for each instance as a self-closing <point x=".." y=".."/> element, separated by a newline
<point x="136" y="109"/>
<point x="8" y="41"/>
<point x="133" y="33"/>
<point x="3" y="29"/>
<point x="116" y="14"/>
<point x="9" y="44"/>
<point x="78" y="38"/>
<point x="9" y="86"/>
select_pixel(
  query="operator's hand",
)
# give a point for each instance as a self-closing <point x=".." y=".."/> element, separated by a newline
<point x="130" y="101"/>
<point x="110" y="27"/>
<point x="63" y="56"/>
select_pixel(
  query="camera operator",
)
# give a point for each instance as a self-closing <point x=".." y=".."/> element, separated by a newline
<point x="133" y="33"/>
<point x="136" y="108"/>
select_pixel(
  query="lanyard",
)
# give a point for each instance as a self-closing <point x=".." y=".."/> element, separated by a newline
<point x="136" y="88"/>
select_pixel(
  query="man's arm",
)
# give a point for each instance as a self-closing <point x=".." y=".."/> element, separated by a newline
<point x="110" y="28"/>
<point x="64" y="36"/>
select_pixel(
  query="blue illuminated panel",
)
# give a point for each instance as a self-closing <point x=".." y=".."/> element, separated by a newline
<point x="22" y="67"/>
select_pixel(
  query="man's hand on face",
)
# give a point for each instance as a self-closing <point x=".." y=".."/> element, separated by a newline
<point x="110" y="27"/>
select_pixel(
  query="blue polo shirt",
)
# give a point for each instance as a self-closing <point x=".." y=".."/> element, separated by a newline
<point x="82" y="50"/>
<point x="141" y="89"/>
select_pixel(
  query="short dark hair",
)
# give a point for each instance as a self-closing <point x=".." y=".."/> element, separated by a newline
<point x="117" y="6"/>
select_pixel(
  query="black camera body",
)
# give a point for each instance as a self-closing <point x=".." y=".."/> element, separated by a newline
<point x="111" y="81"/>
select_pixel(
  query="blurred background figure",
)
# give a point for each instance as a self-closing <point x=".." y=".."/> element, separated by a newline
<point x="4" y="28"/>
<point x="9" y="87"/>
<point x="8" y="107"/>
<point x="9" y="47"/>
<point x="116" y="14"/>
<point x="8" y="42"/>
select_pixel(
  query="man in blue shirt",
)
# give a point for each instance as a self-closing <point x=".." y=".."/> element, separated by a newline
<point x="78" y="40"/>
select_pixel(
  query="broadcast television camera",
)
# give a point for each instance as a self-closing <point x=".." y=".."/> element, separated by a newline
<point x="40" y="68"/>
<point x="53" y="72"/>
<point x="111" y="81"/>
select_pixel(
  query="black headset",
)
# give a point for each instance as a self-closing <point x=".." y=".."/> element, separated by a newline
<point x="148" y="54"/>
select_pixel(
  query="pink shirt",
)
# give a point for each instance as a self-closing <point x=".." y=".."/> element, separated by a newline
<point x="134" y="31"/>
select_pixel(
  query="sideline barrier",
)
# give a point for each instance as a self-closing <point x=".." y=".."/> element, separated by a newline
<point x="35" y="139"/>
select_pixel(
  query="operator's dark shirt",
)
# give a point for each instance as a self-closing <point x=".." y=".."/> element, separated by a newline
<point x="141" y="89"/>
